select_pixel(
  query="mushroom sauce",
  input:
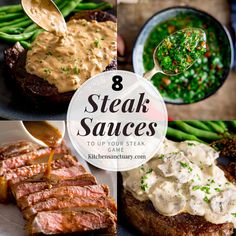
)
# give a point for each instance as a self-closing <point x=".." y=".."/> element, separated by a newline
<point x="66" y="62"/>
<point x="184" y="177"/>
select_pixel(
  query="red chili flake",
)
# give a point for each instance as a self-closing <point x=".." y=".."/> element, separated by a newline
<point x="208" y="54"/>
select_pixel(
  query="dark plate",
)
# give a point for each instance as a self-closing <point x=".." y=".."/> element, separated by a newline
<point x="12" y="105"/>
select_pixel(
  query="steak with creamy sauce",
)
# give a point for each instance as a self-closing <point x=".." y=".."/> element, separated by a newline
<point x="38" y="89"/>
<point x="144" y="217"/>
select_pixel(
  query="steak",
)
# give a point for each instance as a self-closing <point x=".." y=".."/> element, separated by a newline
<point x="144" y="217"/>
<point x="52" y="204"/>
<point x="37" y="89"/>
<point x="27" y="158"/>
<point x="70" y="191"/>
<point x="57" y="222"/>
<point x="25" y="188"/>
<point x="19" y="174"/>
<point x="18" y="148"/>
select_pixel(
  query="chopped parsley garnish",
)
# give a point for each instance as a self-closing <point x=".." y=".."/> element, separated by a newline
<point x="234" y="215"/>
<point x="65" y="69"/>
<point x="143" y="184"/>
<point x="218" y="190"/>
<point x="206" y="199"/>
<point x="161" y="157"/>
<point x="185" y="165"/>
<point x="97" y="43"/>
<point x="76" y="70"/>
<point x="47" y="70"/>
<point x="205" y="189"/>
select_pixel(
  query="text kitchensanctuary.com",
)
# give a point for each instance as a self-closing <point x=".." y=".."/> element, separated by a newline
<point x="116" y="157"/>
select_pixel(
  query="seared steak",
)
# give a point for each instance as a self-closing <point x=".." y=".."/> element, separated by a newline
<point x="25" y="188"/>
<point x="148" y="221"/>
<point x="18" y="160"/>
<point x="70" y="191"/>
<point x="37" y="89"/>
<point x="64" y="203"/>
<point x="18" y="148"/>
<point x="57" y="222"/>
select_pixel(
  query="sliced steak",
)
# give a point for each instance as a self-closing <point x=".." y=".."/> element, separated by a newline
<point x="148" y="221"/>
<point x="25" y="188"/>
<point x="29" y="158"/>
<point x="58" y="222"/>
<point x="19" y="148"/>
<point x="64" y="203"/>
<point x="37" y="89"/>
<point x="70" y="191"/>
<point x="19" y="174"/>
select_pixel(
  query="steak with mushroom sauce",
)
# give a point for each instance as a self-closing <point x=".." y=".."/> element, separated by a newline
<point x="37" y="89"/>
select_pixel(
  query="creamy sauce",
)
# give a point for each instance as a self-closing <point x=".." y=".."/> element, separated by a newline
<point x="184" y="177"/>
<point x="87" y="50"/>
<point x="46" y="15"/>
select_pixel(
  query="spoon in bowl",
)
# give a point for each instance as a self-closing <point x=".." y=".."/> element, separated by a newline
<point x="178" y="52"/>
<point x="46" y="15"/>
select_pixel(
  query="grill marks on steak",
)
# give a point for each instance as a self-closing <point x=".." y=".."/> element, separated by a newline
<point x="37" y="89"/>
<point x="70" y="201"/>
<point x="146" y="219"/>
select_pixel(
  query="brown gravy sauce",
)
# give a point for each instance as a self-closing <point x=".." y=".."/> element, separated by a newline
<point x="47" y="134"/>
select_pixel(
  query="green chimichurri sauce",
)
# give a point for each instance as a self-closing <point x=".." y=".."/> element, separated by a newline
<point x="204" y="76"/>
<point x="178" y="52"/>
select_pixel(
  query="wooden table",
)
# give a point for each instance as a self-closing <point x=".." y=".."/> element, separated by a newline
<point x="131" y="17"/>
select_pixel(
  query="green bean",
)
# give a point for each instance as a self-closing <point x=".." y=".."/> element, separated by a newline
<point x="18" y="25"/>
<point x="25" y="44"/>
<point x="37" y="32"/>
<point x="11" y="8"/>
<point x="222" y="124"/>
<point x="89" y="5"/>
<point x="105" y="6"/>
<point x="232" y="123"/>
<point x="17" y="37"/>
<point x="13" y="22"/>
<point x="70" y="7"/>
<point x="198" y="124"/>
<point x="215" y="127"/>
<point x="196" y="132"/>
<point x="31" y="28"/>
<point x="11" y="16"/>
<point x="12" y="30"/>
<point x="180" y="135"/>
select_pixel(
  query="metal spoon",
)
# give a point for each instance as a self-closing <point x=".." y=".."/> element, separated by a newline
<point x="46" y="15"/>
<point x="157" y="68"/>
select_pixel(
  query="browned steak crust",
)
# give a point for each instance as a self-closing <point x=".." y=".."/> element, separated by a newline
<point x="144" y="217"/>
<point x="37" y="89"/>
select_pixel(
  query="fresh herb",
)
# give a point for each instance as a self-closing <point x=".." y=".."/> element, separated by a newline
<point x="47" y="70"/>
<point x="205" y="189"/>
<point x="97" y="43"/>
<point x="218" y="190"/>
<point x="161" y="157"/>
<point x="185" y="165"/>
<point x="65" y="69"/>
<point x="234" y="215"/>
<point x="76" y="70"/>
<point x="206" y="199"/>
<point x="143" y="185"/>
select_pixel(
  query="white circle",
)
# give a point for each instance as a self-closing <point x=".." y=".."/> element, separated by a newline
<point x="117" y="130"/>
